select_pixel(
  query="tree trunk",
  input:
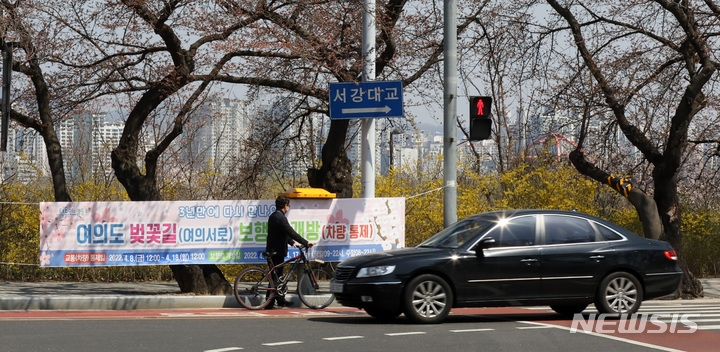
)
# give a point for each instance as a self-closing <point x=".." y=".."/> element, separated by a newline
<point x="335" y="174"/>
<point x="668" y="204"/>
<point x="46" y="126"/>
<point x="201" y="279"/>
<point x="660" y="216"/>
<point x="643" y="203"/>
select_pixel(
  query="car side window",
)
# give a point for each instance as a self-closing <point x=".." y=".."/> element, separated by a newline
<point x="515" y="232"/>
<point x="568" y="229"/>
<point x="461" y="235"/>
<point x="607" y="234"/>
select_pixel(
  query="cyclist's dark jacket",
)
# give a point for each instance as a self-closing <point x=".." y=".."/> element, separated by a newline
<point x="281" y="234"/>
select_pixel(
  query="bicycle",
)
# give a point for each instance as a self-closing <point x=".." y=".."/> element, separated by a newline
<point x="255" y="288"/>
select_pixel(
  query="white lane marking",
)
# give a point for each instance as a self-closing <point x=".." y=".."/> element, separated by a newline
<point x="342" y="338"/>
<point x="633" y="342"/>
<point x="693" y="309"/>
<point x="406" y="333"/>
<point x="472" y="330"/>
<point x="226" y="349"/>
<point x="705" y="315"/>
<point x="691" y="319"/>
<point x="282" y="343"/>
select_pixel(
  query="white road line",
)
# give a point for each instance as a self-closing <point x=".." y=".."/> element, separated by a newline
<point x="342" y="338"/>
<point x="659" y="348"/>
<point x="661" y="309"/>
<point x="226" y="349"/>
<point x="406" y="333"/>
<point x="691" y="314"/>
<point x="708" y="315"/>
<point x="709" y="327"/>
<point x="676" y="304"/>
<point x="472" y="330"/>
<point x="704" y="320"/>
<point x="282" y="343"/>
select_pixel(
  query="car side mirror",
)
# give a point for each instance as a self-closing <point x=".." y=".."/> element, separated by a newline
<point x="486" y="242"/>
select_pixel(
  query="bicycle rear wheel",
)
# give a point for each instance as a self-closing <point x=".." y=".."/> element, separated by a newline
<point x="314" y="288"/>
<point x="254" y="289"/>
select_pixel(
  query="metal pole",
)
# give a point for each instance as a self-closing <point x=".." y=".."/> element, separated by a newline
<point x="6" y="70"/>
<point x="450" y="114"/>
<point x="368" y="125"/>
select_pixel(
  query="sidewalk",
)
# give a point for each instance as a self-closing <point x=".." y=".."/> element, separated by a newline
<point x="140" y="295"/>
<point x="110" y="296"/>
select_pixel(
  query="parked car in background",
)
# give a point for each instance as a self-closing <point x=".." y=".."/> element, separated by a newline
<point x="563" y="259"/>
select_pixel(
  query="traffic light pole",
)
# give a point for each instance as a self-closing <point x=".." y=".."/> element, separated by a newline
<point x="5" y="98"/>
<point x="368" y="124"/>
<point x="450" y="114"/>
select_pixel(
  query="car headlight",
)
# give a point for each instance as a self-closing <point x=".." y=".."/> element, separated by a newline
<point x="375" y="271"/>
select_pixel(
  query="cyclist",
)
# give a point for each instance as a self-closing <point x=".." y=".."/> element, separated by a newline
<point x="280" y="235"/>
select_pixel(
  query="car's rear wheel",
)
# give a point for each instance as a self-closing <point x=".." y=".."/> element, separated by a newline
<point x="383" y="314"/>
<point x="619" y="293"/>
<point x="569" y="309"/>
<point x="427" y="299"/>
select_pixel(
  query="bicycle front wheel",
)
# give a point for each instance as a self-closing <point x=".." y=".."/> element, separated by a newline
<point x="314" y="288"/>
<point x="254" y="289"/>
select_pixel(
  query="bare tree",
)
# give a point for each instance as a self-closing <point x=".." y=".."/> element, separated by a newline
<point x="653" y="65"/>
<point x="158" y="58"/>
<point x="36" y="97"/>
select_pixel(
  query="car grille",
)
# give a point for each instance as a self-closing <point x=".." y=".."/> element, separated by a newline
<point x="343" y="273"/>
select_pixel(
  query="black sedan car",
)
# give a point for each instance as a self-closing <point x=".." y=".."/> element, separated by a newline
<point x="563" y="259"/>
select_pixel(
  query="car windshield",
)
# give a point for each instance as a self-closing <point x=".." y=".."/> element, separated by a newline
<point x="458" y="234"/>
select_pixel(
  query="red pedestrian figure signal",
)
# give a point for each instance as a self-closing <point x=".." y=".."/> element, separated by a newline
<point x="480" y="106"/>
<point x="480" y="114"/>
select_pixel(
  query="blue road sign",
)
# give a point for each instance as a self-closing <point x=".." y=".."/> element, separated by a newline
<point x="352" y="100"/>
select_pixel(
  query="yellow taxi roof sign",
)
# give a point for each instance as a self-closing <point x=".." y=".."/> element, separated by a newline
<point x="308" y="193"/>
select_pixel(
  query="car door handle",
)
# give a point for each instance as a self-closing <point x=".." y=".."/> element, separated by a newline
<point x="597" y="257"/>
<point x="528" y="260"/>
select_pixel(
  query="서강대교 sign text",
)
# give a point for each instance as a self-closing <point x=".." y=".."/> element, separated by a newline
<point x="349" y="100"/>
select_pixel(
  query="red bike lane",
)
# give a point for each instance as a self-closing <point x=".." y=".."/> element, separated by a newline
<point x="653" y="334"/>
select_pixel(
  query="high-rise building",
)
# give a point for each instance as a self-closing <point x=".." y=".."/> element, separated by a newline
<point x="86" y="142"/>
<point x="25" y="157"/>
<point x="222" y="125"/>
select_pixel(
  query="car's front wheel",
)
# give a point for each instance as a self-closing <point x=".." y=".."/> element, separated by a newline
<point x="619" y="293"/>
<point x="427" y="299"/>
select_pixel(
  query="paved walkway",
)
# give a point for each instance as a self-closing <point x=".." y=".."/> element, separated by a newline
<point x="109" y="296"/>
<point x="139" y="295"/>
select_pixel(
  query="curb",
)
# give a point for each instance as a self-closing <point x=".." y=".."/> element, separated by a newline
<point x="133" y="302"/>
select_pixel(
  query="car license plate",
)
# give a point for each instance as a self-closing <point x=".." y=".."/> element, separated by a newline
<point x="336" y="287"/>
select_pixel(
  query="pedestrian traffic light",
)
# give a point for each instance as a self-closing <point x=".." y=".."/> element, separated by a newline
<point x="480" y="118"/>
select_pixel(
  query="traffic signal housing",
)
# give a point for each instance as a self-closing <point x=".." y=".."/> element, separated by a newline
<point x="480" y="118"/>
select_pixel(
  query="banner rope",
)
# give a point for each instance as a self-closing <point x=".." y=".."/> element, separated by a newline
<point x="424" y="193"/>
<point x="18" y="203"/>
<point x="6" y="263"/>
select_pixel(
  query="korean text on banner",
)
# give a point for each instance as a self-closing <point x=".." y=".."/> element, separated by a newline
<point x="210" y="232"/>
